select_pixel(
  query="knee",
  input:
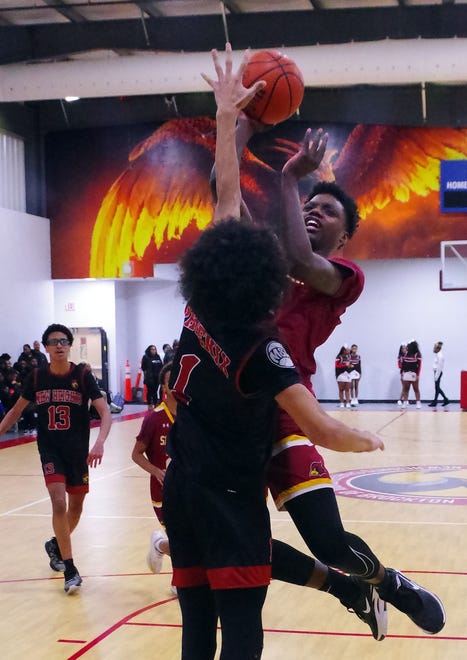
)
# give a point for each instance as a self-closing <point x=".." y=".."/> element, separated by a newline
<point x="58" y="503"/>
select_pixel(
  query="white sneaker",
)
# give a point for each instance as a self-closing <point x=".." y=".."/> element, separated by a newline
<point x="347" y="405"/>
<point x="155" y="556"/>
<point x="405" y="404"/>
<point x="419" y="404"/>
<point x="399" y="403"/>
<point x="341" y="405"/>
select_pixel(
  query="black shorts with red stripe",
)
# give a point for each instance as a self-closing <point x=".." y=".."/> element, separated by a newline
<point x="218" y="536"/>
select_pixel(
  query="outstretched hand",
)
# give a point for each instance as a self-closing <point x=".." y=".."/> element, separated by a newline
<point x="308" y="158"/>
<point x="229" y="91"/>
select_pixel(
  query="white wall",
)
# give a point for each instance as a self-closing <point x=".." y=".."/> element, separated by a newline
<point x="82" y="303"/>
<point x="26" y="296"/>
<point x="401" y="301"/>
<point x="148" y="312"/>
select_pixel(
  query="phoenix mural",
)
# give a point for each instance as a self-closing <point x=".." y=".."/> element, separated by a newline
<point x="121" y="200"/>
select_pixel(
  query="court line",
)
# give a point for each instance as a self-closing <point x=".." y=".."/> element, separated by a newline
<point x="47" y="498"/>
<point x="150" y="574"/>
<point x="117" y="625"/>
<point x="327" y="633"/>
<point x="282" y="521"/>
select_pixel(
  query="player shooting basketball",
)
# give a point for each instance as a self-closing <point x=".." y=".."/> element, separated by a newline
<point x="322" y="288"/>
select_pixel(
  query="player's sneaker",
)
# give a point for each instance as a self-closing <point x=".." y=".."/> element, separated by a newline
<point x="421" y="606"/>
<point x="155" y="556"/>
<point x="73" y="583"/>
<point x="56" y="562"/>
<point x="370" y="608"/>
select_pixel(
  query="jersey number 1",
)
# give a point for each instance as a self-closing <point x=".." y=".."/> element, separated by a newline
<point x="187" y="364"/>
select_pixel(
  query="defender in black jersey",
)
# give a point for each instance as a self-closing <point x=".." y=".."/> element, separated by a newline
<point x="61" y="392"/>
<point x="229" y="373"/>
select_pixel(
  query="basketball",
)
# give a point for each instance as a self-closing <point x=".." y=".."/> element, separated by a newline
<point x="284" y="89"/>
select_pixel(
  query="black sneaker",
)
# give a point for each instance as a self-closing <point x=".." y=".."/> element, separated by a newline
<point x="73" y="583"/>
<point x="421" y="606"/>
<point x="446" y="402"/>
<point x="56" y="562"/>
<point x="370" y="608"/>
<point x="433" y="404"/>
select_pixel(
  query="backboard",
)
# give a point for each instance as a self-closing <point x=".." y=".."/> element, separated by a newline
<point x="453" y="273"/>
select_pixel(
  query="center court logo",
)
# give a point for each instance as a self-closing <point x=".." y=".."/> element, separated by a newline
<point x="417" y="484"/>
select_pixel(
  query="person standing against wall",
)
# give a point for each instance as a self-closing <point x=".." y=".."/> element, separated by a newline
<point x="401" y="354"/>
<point x="411" y="364"/>
<point x="343" y="378"/>
<point x="438" y="366"/>
<point x="151" y="365"/>
<point x="355" y="374"/>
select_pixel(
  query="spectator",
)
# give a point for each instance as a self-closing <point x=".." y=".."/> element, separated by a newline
<point x="151" y="364"/>
<point x="38" y="354"/>
<point x="343" y="377"/>
<point x="438" y="366"/>
<point x="168" y="353"/>
<point x="355" y="374"/>
<point x="25" y="355"/>
<point x="5" y="362"/>
<point x="411" y="364"/>
<point x="401" y="354"/>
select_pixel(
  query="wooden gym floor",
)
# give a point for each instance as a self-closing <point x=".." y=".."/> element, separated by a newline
<point x="408" y="502"/>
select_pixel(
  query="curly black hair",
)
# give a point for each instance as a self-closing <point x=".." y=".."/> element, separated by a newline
<point x="350" y="207"/>
<point x="235" y="273"/>
<point x="57" y="327"/>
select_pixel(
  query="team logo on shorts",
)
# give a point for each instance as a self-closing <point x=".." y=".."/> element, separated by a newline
<point x="417" y="484"/>
<point x="85" y="479"/>
<point x="48" y="468"/>
<point x="278" y="355"/>
<point x="317" y="469"/>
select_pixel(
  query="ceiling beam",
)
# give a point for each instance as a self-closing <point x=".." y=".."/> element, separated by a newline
<point x="149" y="8"/>
<point x="202" y="33"/>
<point x="61" y="8"/>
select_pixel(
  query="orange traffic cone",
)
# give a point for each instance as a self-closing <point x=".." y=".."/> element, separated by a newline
<point x="138" y="378"/>
<point x="128" y="395"/>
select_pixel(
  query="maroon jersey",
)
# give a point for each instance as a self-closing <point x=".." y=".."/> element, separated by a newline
<point x="153" y="434"/>
<point x="307" y="317"/>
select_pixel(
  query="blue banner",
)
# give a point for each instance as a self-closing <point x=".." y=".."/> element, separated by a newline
<point x="453" y="186"/>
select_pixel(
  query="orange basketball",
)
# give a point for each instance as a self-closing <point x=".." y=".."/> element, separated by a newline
<point x="284" y="89"/>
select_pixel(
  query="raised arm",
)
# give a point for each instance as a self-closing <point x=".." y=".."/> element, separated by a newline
<point x="231" y="96"/>
<point x="305" y="263"/>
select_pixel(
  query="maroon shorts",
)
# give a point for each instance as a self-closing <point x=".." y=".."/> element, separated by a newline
<point x="296" y="466"/>
<point x="156" y="498"/>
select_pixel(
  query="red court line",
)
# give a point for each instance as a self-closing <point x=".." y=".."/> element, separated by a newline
<point x="327" y="633"/>
<point x="117" y="625"/>
<point x="113" y="575"/>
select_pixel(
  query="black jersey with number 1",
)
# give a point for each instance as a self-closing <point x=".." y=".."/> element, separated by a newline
<point x="225" y="384"/>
